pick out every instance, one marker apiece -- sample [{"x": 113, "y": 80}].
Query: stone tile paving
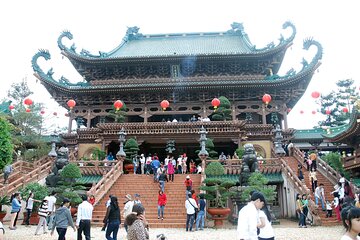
[{"x": 285, "y": 231}]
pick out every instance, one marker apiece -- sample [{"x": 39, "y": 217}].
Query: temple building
[{"x": 188, "y": 70}]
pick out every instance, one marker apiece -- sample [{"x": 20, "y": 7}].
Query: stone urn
[{"x": 218, "y": 215}]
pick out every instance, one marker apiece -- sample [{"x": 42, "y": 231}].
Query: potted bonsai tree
[
  {"x": 4, "y": 201},
  {"x": 40, "y": 192},
  {"x": 131, "y": 149},
  {"x": 69, "y": 188},
  {"x": 217, "y": 192}
]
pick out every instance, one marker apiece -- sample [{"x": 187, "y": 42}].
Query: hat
[
  {"x": 128, "y": 196},
  {"x": 136, "y": 195},
  {"x": 187, "y": 177}
]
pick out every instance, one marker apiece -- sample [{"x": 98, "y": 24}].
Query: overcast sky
[{"x": 27, "y": 26}]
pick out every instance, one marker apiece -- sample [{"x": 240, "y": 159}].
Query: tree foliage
[
  {"x": 71, "y": 171},
  {"x": 258, "y": 182},
  {"x": 223, "y": 112},
  {"x": 6, "y": 146},
  {"x": 131, "y": 149},
  {"x": 335, "y": 101},
  {"x": 40, "y": 192},
  {"x": 118, "y": 116}
]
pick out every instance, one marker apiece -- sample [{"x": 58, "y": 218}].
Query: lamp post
[
  {"x": 53, "y": 153},
  {"x": 121, "y": 154},
  {"x": 203, "y": 153}
]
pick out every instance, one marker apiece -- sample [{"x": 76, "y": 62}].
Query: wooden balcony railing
[
  {"x": 351, "y": 161},
  {"x": 103, "y": 186}
]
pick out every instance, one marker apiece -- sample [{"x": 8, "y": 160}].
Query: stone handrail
[
  {"x": 95, "y": 166},
  {"x": 300, "y": 185},
  {"x": 323, "y": 167},
  {"x": 234, "y": 166},
  {"x": 41, "y": 169},
  {"x": 103, "y": 186}
]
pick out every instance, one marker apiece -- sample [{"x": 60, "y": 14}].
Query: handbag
[{"x": 195, "y": 208}]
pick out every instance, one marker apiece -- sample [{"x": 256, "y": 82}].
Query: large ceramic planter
[
  {"x": 34, "y": 218},
  {"x": 2, "y": 215},
  {"x": 218, "y": 215},
  {"x": 73, "y": 211},
  {"x": 129, "y": 168}
]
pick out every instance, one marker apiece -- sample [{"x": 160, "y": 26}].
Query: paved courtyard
[{"x": 285, "y": 231}]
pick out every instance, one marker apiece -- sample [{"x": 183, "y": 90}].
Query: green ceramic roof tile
[
  {"x": 183, "y": 45},
  {"x": 89, "y": 179},
  {"x": 272, "y": 177},
  {"x": 309, "y": 133}
]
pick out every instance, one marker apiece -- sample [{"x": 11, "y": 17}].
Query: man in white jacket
[{"x": 248, "y": 220}]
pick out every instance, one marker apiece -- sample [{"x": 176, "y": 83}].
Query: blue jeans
[
  {"x": 112, "y": 227},
  {"x": 162, "y": 185},
  {"x": 62, "y": 233},
  {"x": 200, "y": 220},
  {"x": 322, "y": 202},
  {"x": 189, "y": 221},
  {"x": 161, "y": 211}
]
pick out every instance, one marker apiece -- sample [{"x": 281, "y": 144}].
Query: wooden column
[
  {"x": 204, "y": 110},
  {"x": 88, "y": 119},
  {"x": 263, "y": 114},
  {"x": 145, "y": 114},
  {"x": 233, "y": 112},
  {"x": 285, "y": 119},
  {"x": 70, "y": 122}
]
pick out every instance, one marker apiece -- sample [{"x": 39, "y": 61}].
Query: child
[
  {"x": 337, "y": 205},
  {"x": 328, "y": 209},
  {"x": 351, "y": 218}
]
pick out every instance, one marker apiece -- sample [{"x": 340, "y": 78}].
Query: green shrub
[
  {"x": 40, "y": 192},
  {"x": 71, "y": 171}
]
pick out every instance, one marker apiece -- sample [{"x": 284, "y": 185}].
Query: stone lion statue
[{"x": 249, "y": 163}]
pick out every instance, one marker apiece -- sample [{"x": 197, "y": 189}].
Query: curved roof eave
[
  {"x": 260, "y": 83},
  {"x": 344, "y": 131}
]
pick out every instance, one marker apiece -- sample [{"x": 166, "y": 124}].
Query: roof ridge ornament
[
  {"x": 132, "y": 33},
  {"x": 68, "y": 35}
]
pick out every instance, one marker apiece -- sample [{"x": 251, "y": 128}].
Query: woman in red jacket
[{"x": 161, "y": 204}]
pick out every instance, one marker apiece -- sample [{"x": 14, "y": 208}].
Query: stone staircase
[
  {"x": 328, "y": 188},
  {"x": 174, "y": 214}
]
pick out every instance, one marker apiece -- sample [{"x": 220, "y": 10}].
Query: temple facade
[{"x": 188, "y": 70}]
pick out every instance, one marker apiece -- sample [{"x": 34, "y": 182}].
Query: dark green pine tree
[
  {"x": 223, "y": 112},
  {"x": 118, "y": 116},
  {"x": 131, "y": 149},
  {"x": 336, "y": 101},
  {"x": 248, "y": 117},
  {"x": 170, "y": 147}
]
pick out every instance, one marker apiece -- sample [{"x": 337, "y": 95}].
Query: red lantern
[
  {"x": 315, "y": 94},
  {"x": 11, "y": 107},
  {"x": 42, "y": 111},
  {"x": 266, "y": 98},
  {"x": 164, "y": 104},
  {"x": 118, "y": 104},
  {"x": 328, "y": 112},
  {"x": 71, "y": 103},
  {"x": 28, "y": 101},
  {"x": 313, "y": 112},
  {"x": 345, "y": 110},
  {"x": 301, "y": 112},
  {"x": 215, "y": 103},
  {"x": 55, "y": 113},
  {"x": 28, "y": 110}
]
